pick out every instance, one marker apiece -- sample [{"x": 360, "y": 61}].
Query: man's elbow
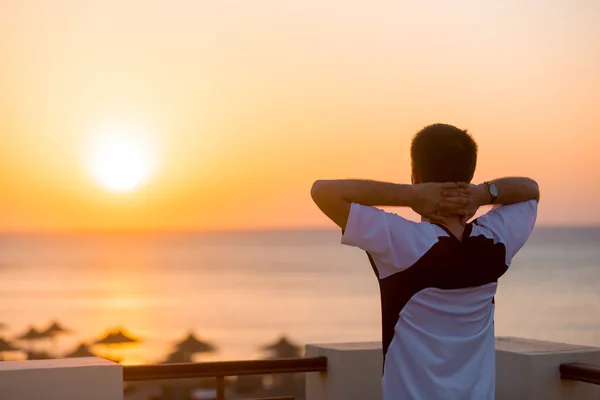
[
  {"x": 318, "y": 190},
  {"x": 536, "y": 190},
  {"x": 325, "y": 192},
  {"x": 326, "y": 195}
]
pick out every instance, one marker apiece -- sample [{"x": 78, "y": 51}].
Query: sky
[{"x": 239, "y": 106}]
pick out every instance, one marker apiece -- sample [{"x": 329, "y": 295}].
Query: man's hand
[
  {"x": 465, "y": 200},
  {"x": 437, "y": 201}
]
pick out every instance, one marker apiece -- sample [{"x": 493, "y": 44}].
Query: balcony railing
[
  {"x": 526, "y": 369},
  {"x": 219, "y": 370},
  {"x": 222, "y": 369},
  {"x": 580, "y": 372}
]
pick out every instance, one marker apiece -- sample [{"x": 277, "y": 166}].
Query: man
[{"x": 437, "y": 278}]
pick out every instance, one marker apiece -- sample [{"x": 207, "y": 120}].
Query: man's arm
[
  {"x": 510, "y": 191},
  {"x": 334, "y": 197}
]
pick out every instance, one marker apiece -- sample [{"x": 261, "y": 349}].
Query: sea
[{"x": 245, "y": 289}]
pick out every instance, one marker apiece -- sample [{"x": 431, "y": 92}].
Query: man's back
[{"x": 437, "y": 297}]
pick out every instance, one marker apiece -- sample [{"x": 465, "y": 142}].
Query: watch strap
[{"x": 493, "y": 196}]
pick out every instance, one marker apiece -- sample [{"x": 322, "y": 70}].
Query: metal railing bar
[
  {"x": 580, "y": 372},
  {"x": 223, "y": 368},
  {"x": 277, "y": 398},
  {"x": 220, "y": 388}
]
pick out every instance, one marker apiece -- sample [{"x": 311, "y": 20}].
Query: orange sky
[{"x": 252, "y": 101}]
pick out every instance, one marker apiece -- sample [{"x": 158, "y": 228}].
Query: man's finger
[
  {"x": 453, "y": 193},
  {"x": 449, "y": 185},
  {"x": 463, "y": 185},
  {"x": 453, "y": 203}
]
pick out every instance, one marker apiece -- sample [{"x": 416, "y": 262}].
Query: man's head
[{"x": 443, "y": 153}]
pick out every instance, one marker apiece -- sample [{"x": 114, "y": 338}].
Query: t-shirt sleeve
[
  {"x": 393, "y": 242},
  {"x": 511, "y": 225}
]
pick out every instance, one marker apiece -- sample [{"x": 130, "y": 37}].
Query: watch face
[{"x": 493, "y": 190}]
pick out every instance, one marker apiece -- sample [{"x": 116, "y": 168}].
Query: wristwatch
[{"x": 493, "y": 189}]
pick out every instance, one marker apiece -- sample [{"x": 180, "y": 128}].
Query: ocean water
[{"x": 241, "y": 290}]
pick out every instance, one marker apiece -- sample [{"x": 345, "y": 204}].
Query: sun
[{"x": 121, "y": 157}]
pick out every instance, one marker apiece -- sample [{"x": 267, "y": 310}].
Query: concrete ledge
[
  {"x": 353, "y": 372},
  {"x": 63, "y": 379},
  {"x": 528, "y": 369}
]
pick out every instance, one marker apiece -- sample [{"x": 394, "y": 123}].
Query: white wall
[
  {"x": 353, "y": 372},
  {"x": 528, "y": 369},
  {"x": 64, "y": 379}
]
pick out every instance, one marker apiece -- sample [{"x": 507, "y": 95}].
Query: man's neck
[{"x": 454, "y": 225}]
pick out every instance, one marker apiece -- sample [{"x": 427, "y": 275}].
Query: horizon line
[{"x": 222, "y": 230}]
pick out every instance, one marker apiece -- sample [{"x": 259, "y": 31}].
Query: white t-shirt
[{"x": 437, "y": 297}]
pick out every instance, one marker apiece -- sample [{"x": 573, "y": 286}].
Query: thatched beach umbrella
[
  {"x": 81, "y": 351},
  {"x": 283, "y": 348},
  {"x": 55, "y": 329},
  {"x": 6, "y": 346},
  {"x": 116, "y": 338},
  {"x": 178, "y": 357},
  {"x": 32, "y": 336},
  {"x": 191, "y": 344}
]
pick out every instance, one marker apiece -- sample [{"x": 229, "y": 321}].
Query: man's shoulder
[
  {"x": 509, "y": 215},
  {"x": 510, "y": 224}
]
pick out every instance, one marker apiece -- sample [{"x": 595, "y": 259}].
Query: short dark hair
[{"x": 443, "y": 153}]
